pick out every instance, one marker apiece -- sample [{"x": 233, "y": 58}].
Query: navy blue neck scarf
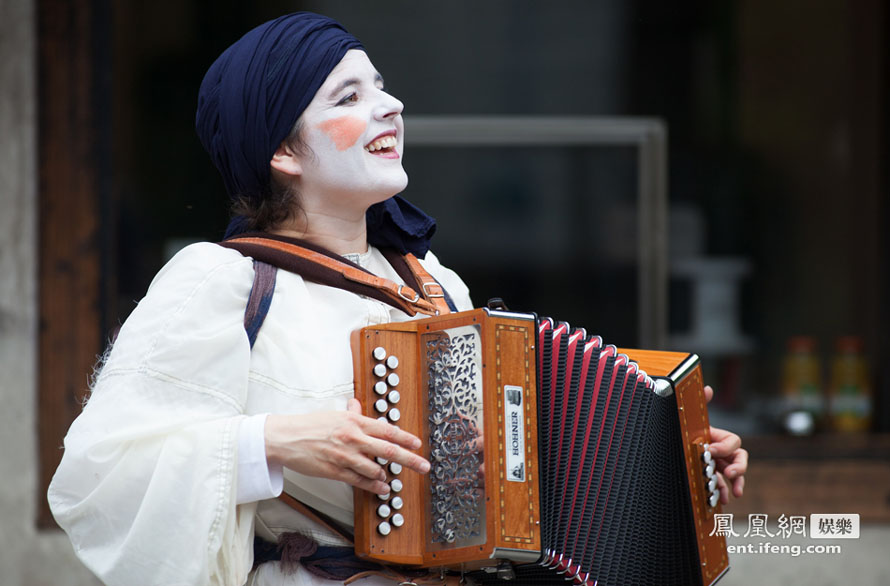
[{"x": 252, "y": 96}]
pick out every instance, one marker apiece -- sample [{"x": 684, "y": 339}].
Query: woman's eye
[{"x": 347, "y": 99}]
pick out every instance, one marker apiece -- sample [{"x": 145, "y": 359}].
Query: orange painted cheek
[{"x": 343, "y": 131}]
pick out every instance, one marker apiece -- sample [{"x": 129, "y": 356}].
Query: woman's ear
[{"x": 286, "y": 161}]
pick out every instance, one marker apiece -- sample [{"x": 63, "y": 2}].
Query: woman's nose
[{"x": 389, "y": 106}]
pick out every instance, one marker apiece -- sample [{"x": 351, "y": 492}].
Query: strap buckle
[
  {"x": 405, "y": 297},
  {"x": 431, "y": 294}
]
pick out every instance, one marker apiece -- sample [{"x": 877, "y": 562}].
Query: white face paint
[{"x": 354, "y": 131}]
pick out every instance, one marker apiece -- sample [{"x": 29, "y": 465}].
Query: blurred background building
[{"x": 772, "y": 259}]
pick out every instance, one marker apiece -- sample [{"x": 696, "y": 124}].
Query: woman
[{"x": 173, "y": 464}]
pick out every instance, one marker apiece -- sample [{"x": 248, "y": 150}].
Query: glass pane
[{"x": 551, "y": 230}]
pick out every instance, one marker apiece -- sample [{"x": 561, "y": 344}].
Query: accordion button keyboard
[
  {"x": 397, "y": 503},
  {"x": 398, "y": 520},
  {"x": 384, "y": 528},
  {"x": 710, "y": 469},
  {"x": 392, "y": 362},
  {"x": 395, "y": 468},
  {"x": 394, "y": 414},
  {"x": 380, "y": 388},
  {"x": 380, "y": 370},
  {"x": 383, "y": 511},
  {"x": 392, "y": 379},
  {"x": 396, "y": 485},
  {"x": 394, "y": 397},
  {"x": 381, "y": 406},
  {"x": 379, "y": 353}
]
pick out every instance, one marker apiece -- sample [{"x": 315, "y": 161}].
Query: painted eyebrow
[{"x": 350, "y": 82}]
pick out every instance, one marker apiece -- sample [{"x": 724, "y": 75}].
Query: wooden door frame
[{"x": 73, "y": 192}]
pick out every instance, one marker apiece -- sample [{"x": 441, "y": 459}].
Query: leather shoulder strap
[
  {"x": 409, "y": 268},
  {"x": 260, "y": 298},
  {"x": 321, "y": 266}
]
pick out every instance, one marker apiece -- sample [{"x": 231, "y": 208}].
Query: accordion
[{"x": 554, "y": 457}]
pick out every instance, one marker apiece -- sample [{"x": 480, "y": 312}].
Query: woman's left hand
[{"x": 731, "y": 458}]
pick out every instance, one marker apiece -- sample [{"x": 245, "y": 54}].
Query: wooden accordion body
[{"x": 522, "y": 477}]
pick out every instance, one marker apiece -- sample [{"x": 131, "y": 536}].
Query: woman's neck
[{"x": 333, "y": 232}]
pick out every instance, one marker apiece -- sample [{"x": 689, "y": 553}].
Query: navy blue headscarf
[{"x": 252, "y": 96}]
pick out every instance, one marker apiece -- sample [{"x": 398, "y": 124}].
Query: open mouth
[{"x": 385, "y": 145}]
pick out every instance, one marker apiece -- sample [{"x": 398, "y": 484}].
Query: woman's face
[{"x": 354, "y": 133}]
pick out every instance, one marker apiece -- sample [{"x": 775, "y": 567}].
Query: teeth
[{"x": 382, "y": 143}]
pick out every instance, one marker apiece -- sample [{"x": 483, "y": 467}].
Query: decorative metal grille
[{"x": 455, "y": 420}]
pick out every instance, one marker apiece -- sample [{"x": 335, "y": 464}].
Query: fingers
[
  {"x": 391, "y": 452},
  {"x": 341, "y": 446},
  {"x": 351, "y": 460},
  {"x": 358, "y": 480},
  {"x": 735, "y": 465},
  {"x": 723, "y": 443},
  {"x": 388, "y": 432},
  {"x": 709, "y": 393},
  {"x": 723, "y": 489},
  {"x": 368, "y": 438},
  {"x": 732, "y": 459},
  {"x": 738, "y": 486},
  {"x": 732, "y": 462}
]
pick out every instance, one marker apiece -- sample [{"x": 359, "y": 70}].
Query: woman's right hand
[{"x": 341, "y": 445}]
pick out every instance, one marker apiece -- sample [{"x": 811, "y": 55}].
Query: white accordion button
[
  {"x": 392, "y": 379},
  {"x": 394, "y": 414},
  {"x": 397, "y": 503},
  {"x": 715, "y": 496},
  {"x": 379, "y": 353},
  {"x": 395, "y": 468},
  {"x": 394, "y": 397},
  {"x": 385, "y": 497},
  {"x": 382, "y": 461},
  {"x": 384, "y": 529},
  {"x": 710, "y": 469},
  {"x": 380, "y": 370},
  {"x": 706, "y": 456},
  {"x": 398, "y": 520},
  {"x": 712, "y": 484},
  {"x": 383, "y": 511},
  {"x": 380, "y": 387},
  {"x": 392, "y": 362},
  {"x": 381, "y": 406},
  {"x": 396, "y": 485},
  {"x": 383, "y": 419}
]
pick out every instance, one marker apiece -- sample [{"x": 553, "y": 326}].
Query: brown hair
[{"x": 276, "y": 203}]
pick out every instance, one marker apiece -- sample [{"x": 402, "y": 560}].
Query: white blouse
[{"x": 148, "y": 485}]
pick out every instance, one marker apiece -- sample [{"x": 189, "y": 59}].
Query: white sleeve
[
  {"x": 146, "y": 489},
  {"x": 257, "y": 479}
]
